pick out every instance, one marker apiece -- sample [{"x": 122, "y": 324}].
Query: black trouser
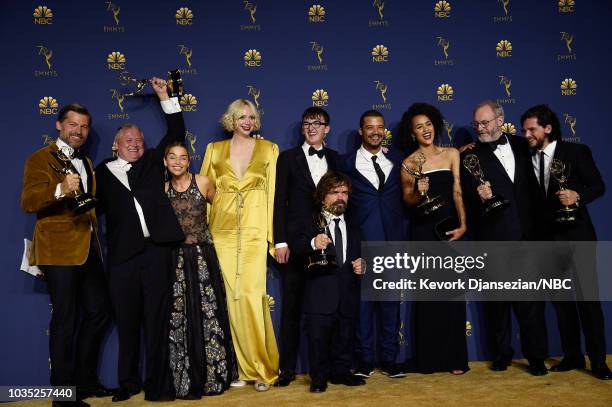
[
  {"x": 81, "y": 312},
  {"x": 330, "y": 345},
  {"x": 292, "y": 279},
  {"x": 532, "y": 326},
  {"x": 588, "y": 314},
  {"x": 139, "y": 291}
]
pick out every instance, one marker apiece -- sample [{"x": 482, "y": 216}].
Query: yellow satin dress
[{"x": 240, "y": 220}]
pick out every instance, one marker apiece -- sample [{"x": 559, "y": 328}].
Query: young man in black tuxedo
[
  {"x": 332, "y": 292},
  {"x": 298, "y": 171},
  {"x": 504, "y": 159},
  {"x": 584, "y": 184},
  {"x": 141, "y": 229}
]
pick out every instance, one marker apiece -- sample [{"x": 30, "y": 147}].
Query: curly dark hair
[
  {"x": 329, "y": 181},
  {"x": 545, "y": 116},
  {"x": 405, "y": 127}
]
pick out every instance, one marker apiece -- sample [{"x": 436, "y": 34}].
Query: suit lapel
[
  {"x": 518, "y": 158},
  {"x": 356, "y": 174},
  {"x": 489, "y": 157},
  {"x": 303, "y": 166}
]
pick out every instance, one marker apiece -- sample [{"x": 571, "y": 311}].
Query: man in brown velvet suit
[{"x": 66, "y": 249}]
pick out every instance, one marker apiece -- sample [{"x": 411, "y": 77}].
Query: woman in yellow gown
[{"x": 243, "y": 170}]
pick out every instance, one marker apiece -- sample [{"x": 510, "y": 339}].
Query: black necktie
[
  {"x": 542, "y": 179},
  {"x": 380, "y": 173},
  {"x": 338, "y": 243},
  {"x": 313, "y": 151},
  {"x": 500, "y": 141}
]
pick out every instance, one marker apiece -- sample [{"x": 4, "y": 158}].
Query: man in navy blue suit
[{"x": 376, "y": 205}]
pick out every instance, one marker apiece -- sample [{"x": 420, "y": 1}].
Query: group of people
[{"x": 187, "y": 253}]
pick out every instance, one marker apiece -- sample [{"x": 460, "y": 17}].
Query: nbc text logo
[
  {"x": 566, "y": 6},
  {"x": 116, "y": 60},
  {"x": 508, "y": 128},
  {"x": 504, "y": 49},
  {"x": 445, "y": 92},
  {"x": 316, "y": 14},
  {"x": 184, "y": 16},
  {"x": 380, "y": 53},
  {"x": 43, "y": 15},
  {"x": 252, "y": 58},
  {"x": 189, "y": 103},
  {"x": 568, "y": 87},
  {"x": 47, "y": 105},
  {"x": 442, "y": 9},
  {"x": 320, "y": 98}
]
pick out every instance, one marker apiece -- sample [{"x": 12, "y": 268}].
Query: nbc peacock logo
[
  {"x": 47, "y": 105},
  {"x": 116, "y": 60},
  {"x": 387, "y": 139},
  {"x": 568, "y": 87},
  {"x": 189, "y": 103},
  {"x": 504, "y": 49},
  {"x": 43, "y": 15},
  {"x": 508, "y": 128},
  {"x": 442, "y": 9},
  {"x": 184, "y": 16},
  {"x": 252, "y": 58},
  {"x": 316, "y": 14},
  {"x": 380, "y": 53},
  {"x": 445, "y": 92},
  {"x": 566, "y": 6},
  {"x": 320, "y": 98}
]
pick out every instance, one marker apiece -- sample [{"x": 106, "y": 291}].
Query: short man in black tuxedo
[
  {"x": 504, "y": 159},
  {"x": 67, "y": 250},
  {"x": 584, "y": 184},
  {"x": 331, "y": 293},
  {"x": 141, "y": 227},
  {"x": 298, "y": 171}
]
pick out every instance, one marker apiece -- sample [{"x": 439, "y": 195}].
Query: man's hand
[
  {"x": 281, "y": 254},
  {"x": 567, "y": 197},
  {"x": 466, "y": 147},
  {"x": 160, "y": 87},
  {"x": 70, "y": 183},
  {"x": 358, "y": 266},
  {"x": 484, "y": 191},
  {"x": 322, "y": 241}
]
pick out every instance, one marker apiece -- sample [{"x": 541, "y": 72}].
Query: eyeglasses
[
  {"x": 483, "y": 123},
  {"x": 315, "y": 124}
]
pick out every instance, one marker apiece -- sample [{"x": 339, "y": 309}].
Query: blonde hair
[{"x": 234, "y": 111}]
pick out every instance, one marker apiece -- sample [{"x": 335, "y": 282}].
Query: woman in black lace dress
[
  {"x": 201, "y": 354},
  {"x": 440, "y": 342}
]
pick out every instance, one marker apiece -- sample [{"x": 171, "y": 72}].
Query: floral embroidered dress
[{"x": 201, "y": 353}]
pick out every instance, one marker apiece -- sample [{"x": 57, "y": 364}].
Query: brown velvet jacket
[{"x": 60, "y": 237}]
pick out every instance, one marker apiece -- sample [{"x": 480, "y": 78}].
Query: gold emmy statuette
[
  {"x": 320, "y": 259},
  {"x": 174, "y": 82},
  {"x": 496, "y": 202},
  {"x": 560, "y": 172},
  {"x": 415, "y": 168},
  {"x": 80, "y": 202}
]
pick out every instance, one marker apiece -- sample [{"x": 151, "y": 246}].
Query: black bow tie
[
  {"x": 313, "y": 151},
  {"x": 80, "y": 154},
  {"x": 500, "y": 141}
]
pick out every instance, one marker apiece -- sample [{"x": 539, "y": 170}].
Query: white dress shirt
[
  {"x": 331, "y": 225},
  {"x": 317, "y": 166},
  {"x": 504, "y": 154},
  {"x": 549, "y": 153},
  {"x": 78, "y": 164},
  {"x": 364, "y": 164}
]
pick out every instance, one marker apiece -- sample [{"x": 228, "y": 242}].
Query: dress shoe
[
  {"x": 392, "y": 370},
  {"x": 601, "y": 371},
  {"x": 348, "y": 380},
  {"x": 261, "y": 386},
  {"x": 77, "y": 403},
  {"x": 124, "y": 394},
  {"x": 95, "y": 391},
  {"x": 364, "y": 370},
  {"x": 285, "y": 378},
  {"x": 499, "y": 365},
  {"x": 567, "y": 364},
  {"x": 318, "y": 387},
  {"x": 537, "y": 368}
]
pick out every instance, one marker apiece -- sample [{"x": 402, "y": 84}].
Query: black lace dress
[{"x": 201, "y": 353}]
